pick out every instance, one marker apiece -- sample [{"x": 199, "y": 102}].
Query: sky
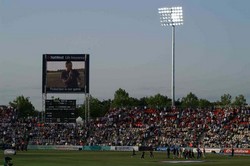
[{"x": 128, "y": 48}]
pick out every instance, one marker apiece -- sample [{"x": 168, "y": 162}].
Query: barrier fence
[
  {"x": 130, "y": 148},
  {"x": 54, "y": 147},
  {"x": 124, "y": 148},
  {"x": 86, "y": 148},
  {"x": 237, "y": 151}
]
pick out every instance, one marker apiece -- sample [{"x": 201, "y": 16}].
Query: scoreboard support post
[
  {"x": 88, "y": 106},
  {"x": 44, "y": 98},
  {"x": 86, "y": 109}
]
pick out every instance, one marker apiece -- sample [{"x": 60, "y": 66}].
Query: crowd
[
  {"x": 188, "y": 127},
  {"x": 228, "y": 127},
  {"x": 137, "y": 126},
  {"x": 13, "y": 131}
]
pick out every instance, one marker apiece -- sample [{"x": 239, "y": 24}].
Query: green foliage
[
  {"x": 23, "y": 106},
  {"x": 204, "y": 103},
  {"x": 190, "y": 101},
  {"x": 226, "y": 100},
  {"x": 158, "y": 101},
  {"x": 97, "y": 108},
  {"x": 178, "y": 102},
  {"x": 121, "y": 99},
  {"x": 134, "y": 102},
  {"x": 240, "y": 101},
  {"x": 106, "y": 105},
  {"x": 80, "y": 111},
  {"x": 142, "y": 102}
]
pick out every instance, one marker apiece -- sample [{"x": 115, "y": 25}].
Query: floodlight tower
[{"x": 172, "y": 16}]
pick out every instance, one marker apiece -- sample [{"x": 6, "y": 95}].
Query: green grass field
[{"x": 76, "y": 158}]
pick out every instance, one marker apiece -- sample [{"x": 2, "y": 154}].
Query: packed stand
[{"x": 137, "y": 126}]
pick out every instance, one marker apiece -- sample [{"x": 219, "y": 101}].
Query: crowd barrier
[
  {"x": 54, "y": 147},
  {"x": 129, "y": 148},
  {"x": 236, "y": 151},
  {"x": 161, "y": 149},
  {"x": 213, "y": 150},
  {"x": 96, "y": 148},
  {"x": 124, "y": 148},
  {"x": 146, "y": 148},
  {"x": 86, "y": 148}
]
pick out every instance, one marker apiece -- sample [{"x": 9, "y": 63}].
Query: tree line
[{"x": 122, "y": 99}]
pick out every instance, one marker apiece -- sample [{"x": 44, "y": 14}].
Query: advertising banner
[
  {"x": 53, "y": 147},
  {"x": 124, "y": 148},
  {"x": 237, "y": 151},
  {"x": 96, "y": 148}
]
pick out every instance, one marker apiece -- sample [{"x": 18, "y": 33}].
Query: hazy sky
[{"x": 128, "y": 48}]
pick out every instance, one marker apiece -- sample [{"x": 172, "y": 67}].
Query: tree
[
  {"x": 158, "y": 101},
  {"x": 204, "y": 103},
  {"x": 134, "y": 102},
  {"x": 143, "y": 102},
  {"x": 97, "y": 108},
  {"x": 190, "y": 101},
  {"x": 80, "y": 111},
  {"x": 226, "y": 100},
  {"x": 240, "y": 101},
  {"x": 121, "y": 98},
  {"x": 178, "y": 103},
  {"x": 106, "y": 105},
  {"x": 24, "y": 107}
]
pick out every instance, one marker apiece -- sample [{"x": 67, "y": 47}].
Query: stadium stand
[{"x": 129, "y": 127}]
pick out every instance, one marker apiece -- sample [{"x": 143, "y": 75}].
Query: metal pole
[
  {"x": 43, "y": 108},
  {"x": 86, "y": 109},
  {"x": 173, "y": 66},
  {"x": 44, "y": 118},
  {"x": 88, "y": 106}
]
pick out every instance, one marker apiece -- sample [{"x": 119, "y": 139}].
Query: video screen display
[{"x": 65, "y": 73}]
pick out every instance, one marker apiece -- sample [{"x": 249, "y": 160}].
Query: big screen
[{"x": 65, "y": 73}]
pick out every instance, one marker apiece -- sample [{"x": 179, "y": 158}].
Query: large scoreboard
[{"x": 60, "y": 111}]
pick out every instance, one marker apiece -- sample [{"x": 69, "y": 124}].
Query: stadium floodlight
[{"x": 172, "y": 16}]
